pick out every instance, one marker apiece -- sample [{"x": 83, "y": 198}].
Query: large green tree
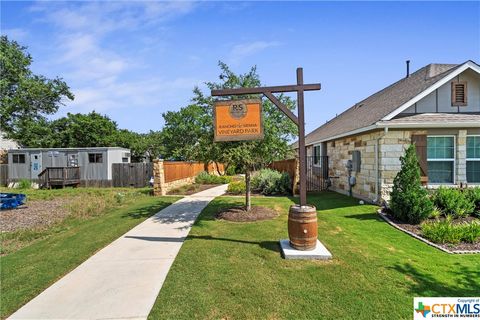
[
  {"x": 188, "y": 133},
  {"x": 83, "y": 130},
  {"x": 142, "y": 145},
  {"x": 25, "y": 98}
]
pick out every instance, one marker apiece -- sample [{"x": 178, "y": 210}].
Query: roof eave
[{"x": 412, "y": 125}]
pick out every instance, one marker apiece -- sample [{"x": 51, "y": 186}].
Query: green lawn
[
  {"x": 28, "y": 271},
  {"x": 229, "y": 270}
]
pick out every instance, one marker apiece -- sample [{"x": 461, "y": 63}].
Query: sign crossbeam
[
  {"x": 262, "y": 90},
  {"x": 299, "y": 120}
]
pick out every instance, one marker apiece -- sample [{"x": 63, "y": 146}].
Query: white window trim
[
  {"x": 454, "y": 159},
  {"x": 319, "y": 165},
  {"x": 470, "y": 159}
]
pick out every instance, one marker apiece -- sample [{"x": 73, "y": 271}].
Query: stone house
[{"x": 437, "y": 108}]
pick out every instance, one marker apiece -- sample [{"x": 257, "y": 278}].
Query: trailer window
[
  {"x": 95, "y": 158},
  {"x": 18, "y": 158}
]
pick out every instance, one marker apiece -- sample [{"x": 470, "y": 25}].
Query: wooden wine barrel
[{"x": 302, "y": 227}]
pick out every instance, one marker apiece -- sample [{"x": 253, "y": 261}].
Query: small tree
[{"x": 409, "y": 200}]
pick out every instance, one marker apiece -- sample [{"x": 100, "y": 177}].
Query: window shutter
[
  {"x": 459, "y": 93},
  {"x": 420, "y": 142}
]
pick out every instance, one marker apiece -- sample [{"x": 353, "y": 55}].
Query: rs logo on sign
[{"x": 238, "y": 110}]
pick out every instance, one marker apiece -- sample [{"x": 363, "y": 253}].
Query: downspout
[{"x": 377, "y": 166}]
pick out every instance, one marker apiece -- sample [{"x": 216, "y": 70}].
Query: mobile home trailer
[{"x": 95, "y": 163}]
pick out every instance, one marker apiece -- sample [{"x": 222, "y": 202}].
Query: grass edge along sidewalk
[
  {"x": 235, "y": 271},
  {"x": 27, "y": 272}
]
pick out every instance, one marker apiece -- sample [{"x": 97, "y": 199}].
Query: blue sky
[{"x": 135, "y": 60}]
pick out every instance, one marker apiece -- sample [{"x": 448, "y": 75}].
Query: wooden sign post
[{"x": 302, "y": 227}]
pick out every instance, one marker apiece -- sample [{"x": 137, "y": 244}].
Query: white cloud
[
  {"x": 243, "y": 50},
  {"x": 100, "y": 17},
  {"x": 130, "y": 94},
  {"x": 16, "y": 34},
  {"x": 99, "y": 73}
]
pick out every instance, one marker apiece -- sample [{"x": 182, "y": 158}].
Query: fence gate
[
  {"x": 135, "y": 175},
  {"x": 317, "y": 173}
]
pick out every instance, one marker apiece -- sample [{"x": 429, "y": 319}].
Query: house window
[
  {"x": 473, "y": 159},
  {"x": 18, "y": 158},
  {"x": 459, "y": 93},
  {"x": 95, "y": 158},
  {"x": 316, "y": 155},
  {"x": 441, "y": 159},
  {"x": 125, "y": 160}
]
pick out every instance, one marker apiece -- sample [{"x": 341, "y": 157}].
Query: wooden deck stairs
[{"x": 61, "y": 177}]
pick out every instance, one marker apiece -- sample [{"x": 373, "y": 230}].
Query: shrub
[
  {"x": 436, "y": 213},
  {"x": 231, "y": 170},
  {"x": 24, "y": 184},
  {"x": 206, "y": 178},
  {"x": 236, "y": 187},
  {"x": 409, "y": 200},
  {"x": 447, "y": 232},
  {"x": 270, "y": 182},
  {"x": 453, "y": 202},
  {"x": 442, "y": 231},
  {"x": 471, "y": 232},
  {"x": 473, "y": 194}
]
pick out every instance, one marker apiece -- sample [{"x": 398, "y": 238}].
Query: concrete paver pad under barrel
[{"x": 122, "y": 280}]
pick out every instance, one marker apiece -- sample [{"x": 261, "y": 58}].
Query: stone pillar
[
  {"x": 158, "y": 178},
  {"x": 461, "y": 160}
]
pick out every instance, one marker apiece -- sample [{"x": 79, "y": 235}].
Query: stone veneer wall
[
  {"x": 160, "y": 187},
  {"x": 340, "y": 151},
  {"x": 392, "y": 146}
]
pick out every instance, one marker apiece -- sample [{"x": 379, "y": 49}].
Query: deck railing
[{"x": 59, "y": 176}]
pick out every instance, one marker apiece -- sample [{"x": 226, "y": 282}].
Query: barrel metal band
[{"x": 303, "y": 220}]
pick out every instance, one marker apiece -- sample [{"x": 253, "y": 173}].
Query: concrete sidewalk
[{"x": 122, "y": 280}]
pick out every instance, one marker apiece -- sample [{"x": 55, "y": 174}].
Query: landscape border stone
[{"x": 393, "y": 224}]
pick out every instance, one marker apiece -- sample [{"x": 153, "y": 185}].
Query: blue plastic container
[{"x": 11, "y": 200}]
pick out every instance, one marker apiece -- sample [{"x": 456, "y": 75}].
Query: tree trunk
[
  {"x": 218, "y": 169},
  {"x": 248, "y": 205}
]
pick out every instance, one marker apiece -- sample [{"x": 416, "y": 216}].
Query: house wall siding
[
  {"x": 444, "y": 96},
  {"x": 59, "y": 158}
]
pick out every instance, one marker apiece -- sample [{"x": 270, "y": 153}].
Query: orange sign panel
[{"x": 238, "y": 120}]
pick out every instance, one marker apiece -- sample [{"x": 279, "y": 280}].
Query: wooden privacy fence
[
  {"x": 135, "y": 175},
  {"x": 289, "y": 166},
  {"x": 317, "y": 172},
  {"x": 3, "y": 175},
  {"x": 169, "y": 175},
  {"x": 178, "y": 170}
]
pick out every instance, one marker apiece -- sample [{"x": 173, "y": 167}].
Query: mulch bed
[
  {"x": 416, "y": 229},
  {"x": 239, "y": 214},
  {"x": 189, "y": 190},
  {"x": 35, "y": 214}
]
